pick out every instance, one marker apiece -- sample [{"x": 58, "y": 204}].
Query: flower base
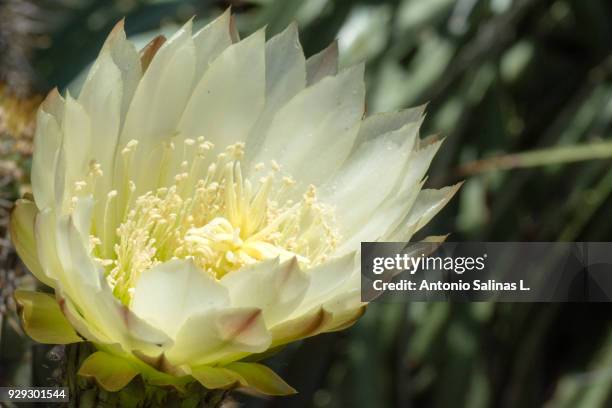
[{"x": 86, "y": 393}]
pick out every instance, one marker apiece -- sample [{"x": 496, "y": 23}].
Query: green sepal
[
  {"x": 216, "y": 377},
  {"x": 110, "y": 372},
  {"x": 43, "y": 319},
  {"x": 157, "y": 378},
  {"x": 252, "y": 358},
  {"x": 261, "y": 378},
  {"x": 147, "y": 368}
]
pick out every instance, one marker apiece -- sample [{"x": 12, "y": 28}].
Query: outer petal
[
  {"x": 43, "y": 319},
  {"x": 285, "y": 77},
  {"x": 211, "y": 41},
  {"x": 323, "y": 64},
  {"x": 72, "y": 252},
  {"x": 102, "y": 96},
  {"x": 76, "y": 147},
  {"x": 309, "y": 324},
  {"x": 47, "y": 142},
  {"x": 100, "y": 307},
  {"x": 85, "y": 329},
  {"x": 325, "y": 280},
  {"x": 383, "y": 220},
  {"x": 382, "y": 123},
  {"x": 417, "y": 165},
  {"x": 164, "y": 89},
  {"x": 54, "y": 105},
  {"x": 168, "y": 294},
  {"x": 147, "y": 53},
  {"x": 374, "y": 167},
  {"x": 275, "y": 288},
  {"x": 334, "y": 106},
  {"x": 81, "y": 283},
  {"x": 22, "y": 234},
  {"x": 219, "y": 334},
  {"x": 126, "y": 58},
  {"x": 110, "y": 372},
  {"x": 234, "y": 82},
  {"x": 339, "y": 311},
  {"x": 393, "y": 211},
  {"x": 338, "y": 308},
  {"x": 345, "y": 309},
  {"x": 285, "y": 68},
  {"x": 428, "y": 204}
]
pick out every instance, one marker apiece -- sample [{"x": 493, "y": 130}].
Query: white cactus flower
[{"x": 205, "y": 199}]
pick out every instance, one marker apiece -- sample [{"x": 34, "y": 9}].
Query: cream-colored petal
[
  {"x": 102, "y": 96},
  {"x": 219, "y": 334},
  {"x": 74, "y": 257},
  {"x": 234, "y": 30},
  {"x": 305, "y": 325},
  {"x": 44, "y": 233},
  {"x": 82, "y": 218},
  {"x": 147, "y": 53},
  {"x": 342, "y": 309},
  {"x": 76, "y": 144},
  {"x": 234, "y": 82},
  {"x": 392, "y": 211},
  {"x": 126, "y": 59},
  {"x": 325, "y": 114},
  {"x": 285, "y": 77},
  {"x": 429, "y": 203},
  {"x": 275, "y": 288},
  {"x": 382, "y": 123},
  {"x": 210, "y": 41},
  {"x": 78, "y": 279},
  {"x": 23, "y": 219},
  {"x": 171, "y": 292},
  {"x": 323, "y": 64},
  {"x": 81, "y": 281},
  {"x": 70, "y": 288},
  {"x": 60, "y": 180},
  {"x": 373, "y": 169},
  {"x": 53, "y": 104},
  {"x": 382, "y": 221},
  {"x": 285, "y": 68},
  {"x": 86, "y": 330},
  {"x": 47, "y": 143},
  {"x": 325, "y": 280},
  {"x": 155, "y": 110},
  {"x": 416, "y": 168}
]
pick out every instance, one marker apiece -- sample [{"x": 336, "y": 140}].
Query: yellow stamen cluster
[{"x": 217, "y": 218}]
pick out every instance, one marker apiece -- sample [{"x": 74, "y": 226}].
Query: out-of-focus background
[{"x": 522, "y": 92}]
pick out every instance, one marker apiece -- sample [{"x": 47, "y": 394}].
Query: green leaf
[
  {"x": 111, "y": 372},
  {"x": 261, "y": 378},
  {"x": 43, "y": 319}
]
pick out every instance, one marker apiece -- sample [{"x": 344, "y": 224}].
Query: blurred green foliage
[{"x": 500, "y": 76}]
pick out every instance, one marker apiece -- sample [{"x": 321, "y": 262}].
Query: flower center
[{"x": 220, "y": 220}]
